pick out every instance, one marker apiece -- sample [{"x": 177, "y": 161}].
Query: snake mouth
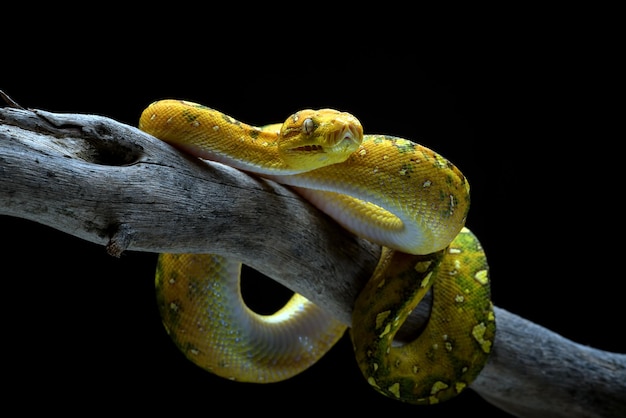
[
  {"x": 309, "y": 148},
  {"x": 343, "y": 140}
]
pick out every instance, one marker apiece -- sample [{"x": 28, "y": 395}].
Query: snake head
[{"x": 316, "y": 138}]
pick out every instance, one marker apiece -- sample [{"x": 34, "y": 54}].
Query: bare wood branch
[{"x": 113, "y": 185}]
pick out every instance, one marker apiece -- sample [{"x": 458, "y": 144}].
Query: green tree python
[{"x": 389, "y": 190}]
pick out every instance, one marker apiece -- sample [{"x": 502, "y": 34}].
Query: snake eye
[{"x": 308, "y": 126}]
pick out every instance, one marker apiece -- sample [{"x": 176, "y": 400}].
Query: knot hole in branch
[{"x": 107, "y": 149}]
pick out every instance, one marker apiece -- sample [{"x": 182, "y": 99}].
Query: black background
[{"x": 529, "y": 115}]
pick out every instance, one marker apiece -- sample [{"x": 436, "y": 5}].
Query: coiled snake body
[{"x": 389, "y": 190}]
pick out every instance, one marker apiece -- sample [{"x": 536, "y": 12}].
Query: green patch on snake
[
  {"x": 231, "y": 120},
  {"x": 404, "y": 146},
  {"x": 372, "y": 382},
  {"x": 482, "y": 277},
  {"x": 426, "y": 280},
  {"x": 440, "y": 162},
  {"x": 254, "y": 133},
  {"x": 438, "y": 387},
  {"x": 379, "y": 139},
  {"x": 395, "y": 389},
  {"x": 459, "y": 386},
  {"x": 406, "y": 169},
  {"x": 422, "y": 266},
  {"x": 478, "y": 332},
  {"x": 189, "y": 115},
  {"x": 380, "y": 320}
]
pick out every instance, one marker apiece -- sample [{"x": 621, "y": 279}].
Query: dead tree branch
[{"x": 113, "y": 185}]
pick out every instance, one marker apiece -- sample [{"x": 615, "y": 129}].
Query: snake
[{"x": 394, "y": 192}]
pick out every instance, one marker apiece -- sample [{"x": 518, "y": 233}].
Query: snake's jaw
[{"x": 317, "y": 138}]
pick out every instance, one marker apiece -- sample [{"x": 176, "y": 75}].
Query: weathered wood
[{"x": 93, "y": 178}]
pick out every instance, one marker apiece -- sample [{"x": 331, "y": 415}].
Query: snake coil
[{"x": 389, "y": 190}]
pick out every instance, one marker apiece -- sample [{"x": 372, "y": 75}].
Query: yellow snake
[{"x": 389, "y": 190}]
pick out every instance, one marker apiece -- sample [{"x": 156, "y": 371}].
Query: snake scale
[{"x": 394, "y": 192}]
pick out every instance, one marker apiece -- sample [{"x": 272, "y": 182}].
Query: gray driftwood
[{"x": 93, "y": 178}]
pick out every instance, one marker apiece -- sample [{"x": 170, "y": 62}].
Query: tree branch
[{"x": 113, "y": 185}]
